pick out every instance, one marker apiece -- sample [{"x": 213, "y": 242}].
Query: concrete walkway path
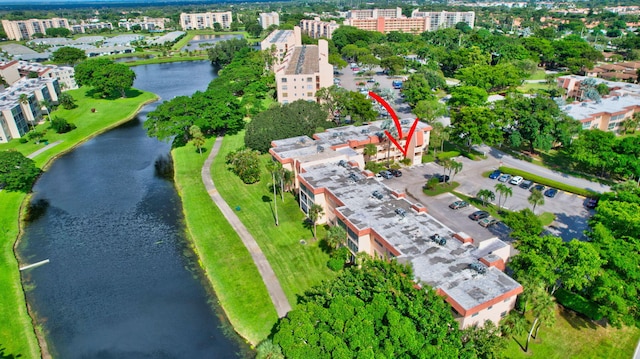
[
  {"x": 269, "y": 278},
  {"x": 53, "y": 144}
]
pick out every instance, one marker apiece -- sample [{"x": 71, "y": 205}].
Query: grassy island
[{"x": 17, "y": 334}]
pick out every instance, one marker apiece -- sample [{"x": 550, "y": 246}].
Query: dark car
[
  {"x": 538, "y": 187},
  {"x": 495, "y": 174},
  {"x": 458, "y": 204},
  {"x": 551, "y": 192},
  {"x": 442, "y": 178},
  {"x": 526, "y": 184},
  {"x": 591, "y": 203},
  {"x": 386, "y": 174},
  {"x": 478, "y": 215},
  {"x": 371, "y": 80},
  {"x": 396, "y": 173}
]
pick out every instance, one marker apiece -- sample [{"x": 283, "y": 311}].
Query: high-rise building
[
  {"x": 316, "y": 28},
  {"x": 205, "y": 20},
  {"x": 388, "y": 20},
  {"x": 267, "y": 19},
  {"x": 25, "y": 29}
]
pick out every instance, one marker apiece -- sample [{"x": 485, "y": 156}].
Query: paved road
[
  {"x": 53, "y": 144},
  {"x": 269, "y": 278}
]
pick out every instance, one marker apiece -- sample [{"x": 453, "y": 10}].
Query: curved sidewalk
[{"x": 269, "y": 278}]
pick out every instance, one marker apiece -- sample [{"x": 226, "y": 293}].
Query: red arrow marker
[{"x": 389, "y": 109}]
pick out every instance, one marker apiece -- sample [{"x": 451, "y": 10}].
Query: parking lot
[{"x": 571, "y": 214}]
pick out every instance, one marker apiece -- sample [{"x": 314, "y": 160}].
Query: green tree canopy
[
  {"x": 58, "y": 32},
  {"x": 68, "y": 55},
  {"x": 224, "y": 51},
  {"x": 374, "y": 311},
  {"x": 17, "y": 172},
  {"x": 105, "y": 76}
]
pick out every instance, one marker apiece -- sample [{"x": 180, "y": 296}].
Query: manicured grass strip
[
  {"x": 576, "y": 337},
  {"x": 547, "y": 218},
  {"x": 16, "y": 330},
  {"x": 222, "y": 254},
  {"x": 548, "y": 182},
  {"x": 441, "y": 188},
  {"x": 297, "y": 266},
  {"x": 108, "y": 113},
  {"x": 578, "y": 303},
  {"x": 17, "y": 336}
]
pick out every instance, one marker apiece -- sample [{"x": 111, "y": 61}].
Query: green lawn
[
  {"x": 17, "y": 336},
  {"x": 575, "y": 337},
  {"x": 538, "y": 75},
  {"x": 529, "y": 87},
  {"x": 298, "y": 266},
  {"x": 223, "y": 256}
]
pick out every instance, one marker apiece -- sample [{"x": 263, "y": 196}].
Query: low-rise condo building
[{"x": 15, "y": 70}]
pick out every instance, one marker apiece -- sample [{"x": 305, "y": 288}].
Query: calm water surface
[{"x": 122, "y": 282}]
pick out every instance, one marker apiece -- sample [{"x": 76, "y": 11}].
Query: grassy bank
[
  {"x": 222, "y": 254},
  {"x": 17, "y": 336},
  {"x": 575, "y": 337},
  {"x": 298, "y": 266}
]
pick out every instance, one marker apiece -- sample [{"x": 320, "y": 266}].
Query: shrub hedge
[
  {"x": 550, "y": 183},
  {"x": 578, "y": 304}
]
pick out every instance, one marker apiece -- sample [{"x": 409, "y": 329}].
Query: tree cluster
[
  {"x": 223, "y": 52},
  {"x": 17, "y": 172},
  {"x": 600, "y": 152},
  {"x": 68, "y": 55},
  {"x": 106, "y": 77},
  {"x": 376, "y": 311},
  {"x": 246, "y": 164},
  {"x": 299, "y": 118}
]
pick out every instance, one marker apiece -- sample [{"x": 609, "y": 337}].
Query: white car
[{"x": 516, "y": 180}]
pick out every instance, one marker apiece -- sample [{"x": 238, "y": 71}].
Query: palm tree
[
  {"x": 455, "y": 168},
  {"x": 273, "y": 168},
  {"x": 503, "y": 190},
  {"x": 544, "y": 310},
  {"x": 536, "y": 198},
  {"x": 336, "y": 236},
  {"x": 486, "y": 195},
  {"x": 370, "y": 150},
  {"x": 631, "y": 124},
  {"x": 197, "y": 138},
  {"x": 24, "y": 102},
  {"x": 393, "y": 131},
  {"x": 514, "y": 324},
  {"x": 315, "y": 212},
  {"x": 45, "y": 105}
]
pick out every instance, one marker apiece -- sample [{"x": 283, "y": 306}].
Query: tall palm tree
[
  {"x": 273, "y": 168},
  {"x": 536, "y": 198},
  {"x": 315, "y": 212},
  {"x": 455, "y": 168},
  {"x": 543, "y": 307},
  {"x": 370, "y": 150},
  {"x": 486, "y": 195},
  {"x": 503, "y": 190},
  {"x": 336, "y": 236},
  {"x": 24, "y": 102},
  {"x": 393, "y": 131}
]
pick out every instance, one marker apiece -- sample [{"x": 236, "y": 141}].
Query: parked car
[
  {"x": 487, "y": 222},
  {"x": 538, "y": 187},
  {"x": 551, "y": 192},
  {"x": 355, "y": 69},
  {"x": 379, "y": 176},
  {"x": 371, "y": 80},
  {"x": 495, "y": 174},
  {"x": 396, "y": 173},
  {"x": 591, "y": 203},
  {"x": 478, "y": 215},
  {"x": 516, "y": 180},
  {"x": 504, "y": 178},
  {"x": 386, "y": 174},
  {"x": 526, "y": 184},
  {"x": 442, "y": 178},
  {"x": 458, "y": 205}
]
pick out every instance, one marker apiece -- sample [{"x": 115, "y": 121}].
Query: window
[
  {"x": 309, "y": 87},
  {"x": 284, "y": 80},
  {"x": 475, "y": 314},
  {"x": 310, "y": 94},
  {"x": 309, "y": 79},
  {"x": 285, "y": 87},
  {"x": 284, "y": 94},
  {"x": 503, "y": 314},
  {"x": 491, "y": 306}
]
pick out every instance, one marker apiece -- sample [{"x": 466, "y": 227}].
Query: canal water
[{"x": 122, "y": 281}]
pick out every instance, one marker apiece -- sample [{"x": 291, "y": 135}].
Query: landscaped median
[
  {"x": 17, "y": 336},
  {"x": 549, "y": 183}
]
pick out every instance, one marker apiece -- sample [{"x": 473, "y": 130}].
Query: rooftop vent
[
  {"x": 320, "y": 148},
  {"x": 404, "y": 121},
  {"x": 377, "y": 194},
  {"x": 401, "y": 212},
  {"x": 478, "y": 267},
  {"x": 335, "y": 134},
  {"x": 584, "y": 104},
  {"x": 439, "y": 239},
  {"x": 364, "y": 130},
  {"x": 342, "y": 163}
]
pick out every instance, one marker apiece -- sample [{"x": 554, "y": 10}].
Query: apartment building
[
  {"x": 316, "y": 28},
  {"x": 383, "y": 223},
  {"x": 303, "y": 70},
  {"x": 85, "y": 27},
  {"x": 282, "y": 42},
  {"x": 13, "y": 71},
  {"x": 607, "y": 114},
  {"x": 145, "y": 23},
  {"x": 267, "y": 19},
  {"x": 25, "y": 29},
  {"x": 418, "y": 22},
  {"x": 445, "y": 19},
  {"x": 375, "y": 13},
  {"x": 205, "y": 20},
  {"x": 15, "y": 114}
]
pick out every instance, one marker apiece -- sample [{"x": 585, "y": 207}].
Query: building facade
[
  {"x": 303, "y": 70},
  {"x": 16, "y": 115},
  {"x": 15, "y": 70},
  {"x": 146, "y": 23},
  {"x": 205, "y": 20},
  {"x": 316, "y": 28},
  {"x": 282, "y": 43},
  {"x": 85, "y": 27},
  {"x": 445, "y": 19},
  {"x": 386, "y": 21},
  {"x": 267, "y": 19},
  {"x": 383, "y": 223},
  {"x": 375, "y": 13},
  {"x": 25, "y": 29}
]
